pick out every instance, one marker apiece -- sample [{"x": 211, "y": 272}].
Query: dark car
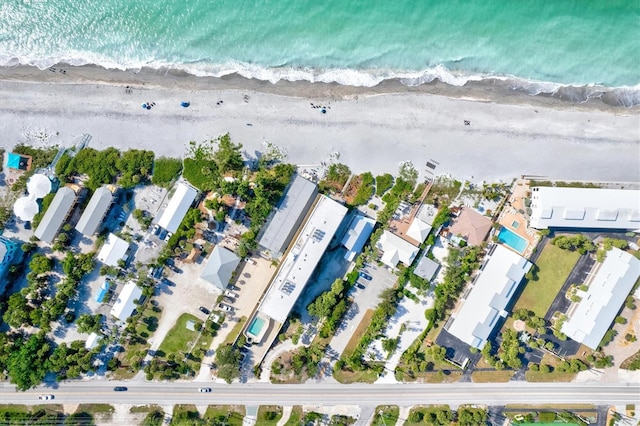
[
  {"x": 204, "y": 310},
  {"x": 360, "y": 286},
  {"x": 365, "y": 276},
  {"x": 120, "y": 388}
]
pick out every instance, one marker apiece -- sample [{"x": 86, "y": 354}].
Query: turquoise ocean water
[{"x": 537, "y": 46}]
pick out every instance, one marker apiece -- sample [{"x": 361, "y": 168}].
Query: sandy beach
[{"x": 371, "y": 129}]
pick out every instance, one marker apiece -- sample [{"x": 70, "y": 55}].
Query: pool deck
[{"x": 512, "y": 213}]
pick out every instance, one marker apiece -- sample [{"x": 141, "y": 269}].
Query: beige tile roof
[{"x": 472, "y": 226}]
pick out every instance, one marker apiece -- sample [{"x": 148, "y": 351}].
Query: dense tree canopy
[
  {"x": 228, "y": 362},
  {"x": 228, "y": 156},
  {"x": 166, "y": 170},
  {"x": 27, "y": 361},
  {"x": 102, "y": 167}
]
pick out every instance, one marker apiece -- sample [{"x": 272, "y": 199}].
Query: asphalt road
[{"x": 329, "y": 394}]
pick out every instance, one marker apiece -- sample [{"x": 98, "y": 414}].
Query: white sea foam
[{"x": 619, "y": 96}]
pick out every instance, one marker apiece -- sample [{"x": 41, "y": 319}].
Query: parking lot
[{"x": 184, "y": 291}]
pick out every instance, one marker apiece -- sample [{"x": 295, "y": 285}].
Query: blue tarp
[
  {"x": 104, "y": 289},
  {"x": 17, "y": 161}
]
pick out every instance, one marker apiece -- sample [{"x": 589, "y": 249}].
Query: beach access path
[{"x": 371, "y": 133}]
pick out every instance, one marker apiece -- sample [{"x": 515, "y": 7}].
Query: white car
[
  {"x": 45, "y": 397},
  {"x": 204, "y": 390},
  {"x": 231, "y": 294},
  {"x": 225, "y": 307}
]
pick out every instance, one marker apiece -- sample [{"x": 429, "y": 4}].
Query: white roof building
[
  {"x": 288, "y": 215},
  {"x": 489, "y": 297},
  {"x": 125, "y": 304},
  {"x": 395, "y": 250},
  {"x": 113, "y": 250},
  {"x": 418, "y": 230},
  {"x": 92, "y": 341},
  {"x": 95, "y": 211},
  {"x": 296, "y": 268},
  {"x": 177, "y": 207},
  {"x": 593, "y": 208},
  {"x": 608, "y": 289},
  {"x": 359, "y": 231}
]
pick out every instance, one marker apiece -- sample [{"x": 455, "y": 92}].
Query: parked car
[
  {"x": 204, "y": 390},
  {"x": 225, "y": 307},
  {"x": 228, "y": 299},
  {"x": 231, "y": 294},
  {"x": 120, "y": 389},
  {"x": 365, "y": 276},
  {"x": 45, "y": 397},
  {"x": 360, "y": 286},
  {"x": 204, "y": 310}
]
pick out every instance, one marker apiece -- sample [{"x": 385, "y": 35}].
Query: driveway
[{"x": 578, "y": 275}]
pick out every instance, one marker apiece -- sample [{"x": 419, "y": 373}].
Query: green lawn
[
  {"x": 296, "y": 415},
  {"x": 235, "y": 331},
  {"x": 500, "y": 376},
  {"x": 386, "y": 415},
  {"x": 554, "y": 266},
  {"x": 264, "y": 419},
  {"x": 346, "y": 377},
  {"x": 179, "y": 337},
  {"x": 145, "y": 329},
  {"x": 229, "y": 414},
  {"x": 95, "y": 408}
]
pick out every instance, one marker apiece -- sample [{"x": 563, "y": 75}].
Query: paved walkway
[
  {"x": 286, "y": 413},
  {"x": 403, "y": 414},
  {"x": 273, "y": 354}
]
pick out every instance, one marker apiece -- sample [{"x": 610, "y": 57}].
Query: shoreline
[
  {"x": 496, "y": 90},
  {"x": 372, "y": 129}
]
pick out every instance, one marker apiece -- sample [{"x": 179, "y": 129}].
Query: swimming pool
[
  {"x": 512, "y": 239},
  {"x": 256, "y": 326}
]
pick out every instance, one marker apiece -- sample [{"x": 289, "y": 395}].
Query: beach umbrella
[
  {"x": 144, "y": 106},
  {"x": 184, "y": 104},
  {"x": 25, "y": 208}
]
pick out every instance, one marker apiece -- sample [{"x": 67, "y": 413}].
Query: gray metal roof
[
  {"x": 56, "y": 214},
  {"x": 220, "y": 266},
  {"x": 289, "y": 214},
  {"x": 95, "y": 211},
  {"x": 426, "y": 268},
  {"x": 178, "y": 207},
  {"x": 603, "y": 299}
]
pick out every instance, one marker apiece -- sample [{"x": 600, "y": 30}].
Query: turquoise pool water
[
  {"x": 513, "y": 240},
  {"x": 256, "y": 326}
]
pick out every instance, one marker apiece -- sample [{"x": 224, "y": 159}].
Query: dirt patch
[
  {"x": 282, "y": 370},
  {"x": 352, "y": 189}
]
